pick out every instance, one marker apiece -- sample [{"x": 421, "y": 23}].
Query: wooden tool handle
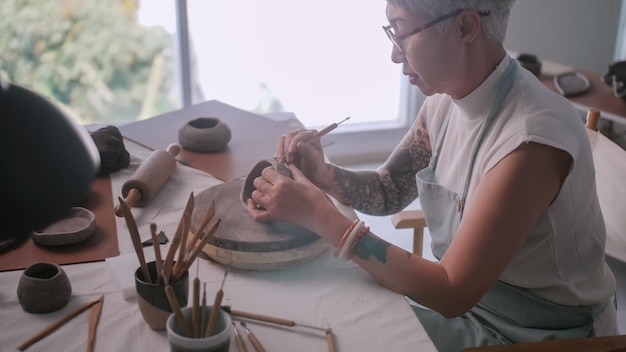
[
  {"x": 330, "y": 340},
  {"x": 593, "y": 116},
  {"x": 215, "y": 313},
  {"x": 261, "y": 317},
  {"x": 255, "y": 342}
]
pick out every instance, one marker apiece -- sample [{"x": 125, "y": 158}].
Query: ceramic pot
[
  {"x": 204, "y": 135},
  {"x": 43, "y": 288},
  {"x": 219, "y": 341},
  {"x": 248, "y": 184},
  {"x": 152, "y": 300}
]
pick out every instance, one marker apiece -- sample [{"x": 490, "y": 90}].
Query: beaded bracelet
[
  {"x": 358, "y": 237},
  {"x": 345, "y": 237},
  {"x": 355, "y": 231}
]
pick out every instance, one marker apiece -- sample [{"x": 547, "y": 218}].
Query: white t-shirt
[{"x": 563, "y": 258}]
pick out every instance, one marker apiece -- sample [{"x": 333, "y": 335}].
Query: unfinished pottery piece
[
  {"x": 204, "y": 135},
  {"x": 244, "y": 243},
  {"x": 43, "y": 288},
  {"x": 248, "y": 184},
  {"x": 77, "y": 225}
]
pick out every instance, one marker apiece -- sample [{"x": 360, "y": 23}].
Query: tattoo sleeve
[{"x": 392, "y": 187}]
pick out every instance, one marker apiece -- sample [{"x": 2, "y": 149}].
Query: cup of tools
[
  {"x": 152, "y": 298},
  {"x": 187, "y": 334}
]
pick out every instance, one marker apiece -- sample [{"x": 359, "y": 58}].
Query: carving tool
[
  {"x": 169, "y": 258},
  {"x": 319, "y": 134},
  {"x": 241, "y": 346},
  {"x": 216, "y": 309},
  {"x": 197, "y": 249},
  {"x": 136, "y": 239},
  {"x": 255, "y": 342},
  {"x": 149, "y": 178},
  {"x": 57, "y": 324},
  {"x": 269, "y": 319}
]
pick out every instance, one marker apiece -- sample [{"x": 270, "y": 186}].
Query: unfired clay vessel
[
  {"x": 204, "y": 135},
  {"x": 43, "y": 288},
  {"x": 248, "y": 185}
]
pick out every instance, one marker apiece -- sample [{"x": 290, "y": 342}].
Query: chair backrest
[{"x": 610, "y": 165}]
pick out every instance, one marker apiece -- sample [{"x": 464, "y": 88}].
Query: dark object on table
[
  {"x": 160, "y": 236},
  {"x": 113, "y": 153},
  {"x": 204, "y": 135},
  {"x": 570, "y": 84},
  {"x": 49, "y": 162},
  {"x": 531, "y": 63},
  {"x": 615, "y": 77}
]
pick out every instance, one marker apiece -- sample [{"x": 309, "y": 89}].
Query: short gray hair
[{"x": 493, "y": 25}]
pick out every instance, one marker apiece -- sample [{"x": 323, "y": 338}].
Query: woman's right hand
[{"x": 305, "y": 151}]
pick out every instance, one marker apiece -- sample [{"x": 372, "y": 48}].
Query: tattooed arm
[{"x": 389, "y": 189}]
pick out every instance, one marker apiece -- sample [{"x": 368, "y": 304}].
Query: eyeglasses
[{"x": 397, "y": 39}]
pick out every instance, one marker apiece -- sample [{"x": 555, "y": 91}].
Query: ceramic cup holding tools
[
  {"x": 153, "y": 303},
  {"x": 43, "y": 288},
  {"x": 219, "y": 341}
]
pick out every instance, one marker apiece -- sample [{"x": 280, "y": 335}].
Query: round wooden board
[{"x": 248, "y": 244}]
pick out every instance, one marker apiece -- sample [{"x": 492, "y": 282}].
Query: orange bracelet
[
  {"x": 343, "y": 253},
  {"x": 362, "y": 233},
  {"x": 344, "y": 237}
]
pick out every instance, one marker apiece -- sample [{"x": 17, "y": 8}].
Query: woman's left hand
[{"x": 295, "y": 200}]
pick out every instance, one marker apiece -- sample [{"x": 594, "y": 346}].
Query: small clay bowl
[
  {"x": 43, "y": 288},
  {"x": 248, "y": 184},
  {"x": 77, "y": 225},
  {"x": 204, "y": 135}
]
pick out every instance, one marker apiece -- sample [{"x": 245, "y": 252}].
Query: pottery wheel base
[{"x": 245, "y": 243}]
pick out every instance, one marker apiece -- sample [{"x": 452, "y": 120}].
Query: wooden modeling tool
[
  {"x": 136, "y": 239},
  {"x": 195, "y": 310},
  {"x": 158, "y": 261},
  {"x": 255, "y": 342},
  {"x": 149, "y": 178},
  {"x": 57, "y": 324},
  {"x": 216, "y": 309},
  {"x": 178, "y": 315},
  {"x": 241, "y": 346},
  {"x": 94, "y": 319}
]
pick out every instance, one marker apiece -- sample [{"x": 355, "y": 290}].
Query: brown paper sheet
[
  {"x": 101, "y": 245},
  {"x": 253, "y": 137}
]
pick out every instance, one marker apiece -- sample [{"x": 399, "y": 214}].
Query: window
[{"x": 119, "y": 61}]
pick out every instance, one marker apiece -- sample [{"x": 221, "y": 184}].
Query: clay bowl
[
  {"x": 248, "y": 185},
  {"x": 77, "y": 225},
  {"x": 204, "y": 135},
  {"x": 43, "y": 288}
]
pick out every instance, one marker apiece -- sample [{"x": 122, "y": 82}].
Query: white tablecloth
[{"x": 325, "y": 291}]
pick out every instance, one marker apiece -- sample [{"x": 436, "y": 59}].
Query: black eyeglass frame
[{"x": 397, "y": 39}]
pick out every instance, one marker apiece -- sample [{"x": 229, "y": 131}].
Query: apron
[{"x": 505, "y": 314}]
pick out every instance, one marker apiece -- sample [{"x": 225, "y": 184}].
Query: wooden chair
[{"x": 610, "y": 164}]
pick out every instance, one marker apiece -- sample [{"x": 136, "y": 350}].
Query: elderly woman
[{"x": 503, "y": 170}]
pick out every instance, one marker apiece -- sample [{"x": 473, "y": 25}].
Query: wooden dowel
[
  {"x": 261, "y": 317},
  {"x": 94, "y": 319},
  {"x": 171, "y": 298},
  {"x": 57, "y": 324},
  {"x": 593, "y": 116},
  {"x": 158, "y": 261},
  {"x": 195, "y": 310},
  {"x": 136, "y": 239},
  {"x": 330, "y": 340}
]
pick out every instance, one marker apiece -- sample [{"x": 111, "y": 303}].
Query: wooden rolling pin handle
[
  {"x": 134, "y": 195},
  {"x": 173, "y": 149}
]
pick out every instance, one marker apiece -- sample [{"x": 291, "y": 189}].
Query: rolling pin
[{"x": 149, "y": 178}]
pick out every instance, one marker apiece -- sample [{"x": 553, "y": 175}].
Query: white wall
[{"x": 578, "y": 33}]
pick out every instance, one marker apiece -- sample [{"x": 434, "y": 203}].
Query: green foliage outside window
[{"x": 92, "y": 57}]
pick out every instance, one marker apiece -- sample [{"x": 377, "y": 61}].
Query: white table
[{"x": 325, "y": 291}]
